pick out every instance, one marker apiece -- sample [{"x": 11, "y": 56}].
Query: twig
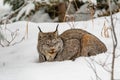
[
  {"x": 92, "y": 66},
  {"x": 116, "y": 3},
  {"x": 105, "y": 64},
  {"x": 114, "y": 38},
  {"x": 104, "y": 32},
  {"x": 12, "y": 13},
  {"x": 72, "y": 24},
  {"x": 67, "y": 11},
  {"x": 13, "y": 36},
  {"x": 26, "y": 33},
  {"x": 18, "y": 41},
  {"x": 76, "y": 4}
]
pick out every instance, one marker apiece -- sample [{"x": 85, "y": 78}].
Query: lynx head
[{"x": 49, "y": 44}]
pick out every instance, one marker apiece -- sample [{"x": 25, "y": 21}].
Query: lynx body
[
  {"x": 89, "y": 44},
  {"x": 68, "y": 46}
]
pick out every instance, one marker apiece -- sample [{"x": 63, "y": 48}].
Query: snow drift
[{"x": 20, "y": 62}]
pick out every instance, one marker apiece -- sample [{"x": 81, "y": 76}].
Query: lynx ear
[
  {"x": 57, "y": 28},
  {"x": 56, "y": 31},
  {"x": 40, "y": 33},
  {"x": 39, "y": 29}
]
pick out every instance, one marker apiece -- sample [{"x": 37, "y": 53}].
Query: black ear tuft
[
  {"x": 56, "y": 31},
  {"x": 57, "y": 28},
  {"x": 39, "y": 29}
]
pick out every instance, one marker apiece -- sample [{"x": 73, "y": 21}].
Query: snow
[
  {"x": 27, "y": 9},
  {"x": 92, "y": 1},
  {"x": 48, "y": 1},
  {"x": 43, "y": 17},
  {"x": 4, "y": 9},
  {"x": 83, "y": 13},
  {"x": 20, "y": 62},
  {"x": 2, "y": 6},
  {"x": 43, "y": 1}
]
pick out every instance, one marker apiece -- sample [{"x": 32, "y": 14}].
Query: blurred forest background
[{"x": 55, "y": 10}]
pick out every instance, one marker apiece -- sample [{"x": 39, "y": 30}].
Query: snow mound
[{"x": 20, "y": 62}]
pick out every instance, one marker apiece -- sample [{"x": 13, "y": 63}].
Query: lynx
[{"x": 69, "y": 45}]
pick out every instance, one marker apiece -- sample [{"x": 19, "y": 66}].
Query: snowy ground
[
  {"x": 4, "y": 9},
  {"x": 20, "y": 62}
]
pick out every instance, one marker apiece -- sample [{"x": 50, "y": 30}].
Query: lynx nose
[{"x": 52, "y": 51}]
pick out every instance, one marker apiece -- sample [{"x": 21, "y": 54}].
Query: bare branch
[
  {"x": 116, "y": 3},
  {"x": 104, "y": 65},
  {"x": 19, "y": 41},
  {"x": 6, "y": 19},
  {"x": 13, "y": 36},
  {"x": 93, "y": 67},
  {"x": 114, "y": 38}
]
